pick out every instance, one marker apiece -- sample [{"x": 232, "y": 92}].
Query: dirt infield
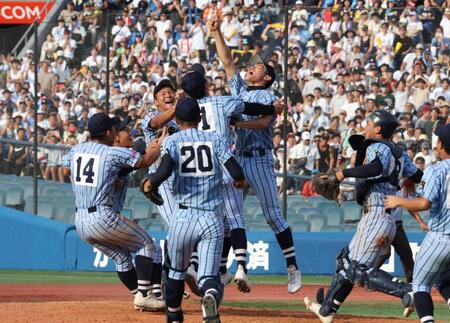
[{"x": 112, "y": 303}]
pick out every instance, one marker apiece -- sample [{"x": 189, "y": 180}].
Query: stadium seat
[
  {"x": 335, "y": 215},
  {"x": 317, "y": 222},
  {"x": 143, "y": 223},
  {"x": 139, "y": 198},
  {"x": 350, "y": 227},
  {"x": 48, "y": 190},
  {"x": 324, "y": 205},
  {"x": 127, "y": 212},
  {"x": 352, "y": 212},
  {"x": 308, "y": 212},
  {"x": 294, "y": 218},
  {"x": 133, "y": 191},
  {"x": 259, "y": 227},
  {"x": 155, "y": 227},
  {"x": 46, "y": 210},
  {"x": 315, "y": 200},
  {"x": 142, "y": 209},
  {"x": 332, "y": 228},
  {"x": 301, "y": 226},
  {"x": 14, "y": 198},
  {"x": 66, "y": 215},
  {"x": 2, "y": 198},
  {"x": 300, "y": 205}
]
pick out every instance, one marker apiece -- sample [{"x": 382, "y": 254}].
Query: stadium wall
[{"x": 36, "y": 243}]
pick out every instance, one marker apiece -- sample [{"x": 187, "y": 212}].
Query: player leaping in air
[
  {"x": 433, "y": 260},
  {"x": 254, "y": 146}
]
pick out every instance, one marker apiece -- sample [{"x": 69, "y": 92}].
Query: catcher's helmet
[{"x": 386, "y": 121}]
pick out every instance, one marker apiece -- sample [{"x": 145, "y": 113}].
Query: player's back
[
  {"x": 437, "y": 180},
  {"x": 94, "y": 168},
  {"x": 217, "y": 112},
  {"x": 198, "y": 156}
]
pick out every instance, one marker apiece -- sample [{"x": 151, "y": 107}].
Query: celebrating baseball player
[
  {"x": 94, "y": 167},
  {"x": 254, "y": 146},
  {"x": 195, "y": 157},
  {"x": 217, "y": 112},
  {"x": 123, "y": 139},
  {"x": 384, "y": 166},
  {"x": 433, "y": 260}
]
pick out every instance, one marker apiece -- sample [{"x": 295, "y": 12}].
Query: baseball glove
[
  {"x": 326, "y": 185},
  {"x": 152, "y": 195}
]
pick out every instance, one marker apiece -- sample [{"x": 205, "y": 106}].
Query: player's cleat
[
  {"x": 191, "y": 280},
  {"x": 186, "y": 295},
  {"x": 209, "y": 309},
  {"x": 241, "y": 280},
  {"x": 225, "y": 278},
  {"x": 315, "y": 308},
  {"x": 149, "y": 303},
  {"x": 408, "y": 302},
  {"x": 294, "y": 280}
]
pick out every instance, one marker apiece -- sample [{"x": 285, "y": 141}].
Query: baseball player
[
  {"x": 154, "y": 121},
  {"x": 401, "y": 242},
  {"x": 195, "y": 158},
  {"x": 217, "y": 112},
  {"x": 94, "y": 167},
  {"x": 384, "y": 166},
  {"x": 433, "y": 260},
  {"x": 123, "y": 139},
  {"x": 254, "y": 147}
]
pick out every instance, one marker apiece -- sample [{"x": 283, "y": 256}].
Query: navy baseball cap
[
  {"x": 197, "y": 67},
  {"x": 162, "y": 84},
  {"x": 100, "y": 123},
  {"x": 443, "y": 132},
  {"x": 187, "y": 109},
  {"x": 193, "y": 83},
  {"x": 122, "y": 123}
]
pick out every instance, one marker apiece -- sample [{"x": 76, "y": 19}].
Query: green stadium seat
[
  {"x": 142, "y": 209},
  {"x": 324, "y": 205},
  {"x": 352, "y": 212},
  {"x": 143, "y": 223},
  {"x": 308, "y": 212},
  {"x": 350, "y": 227},
  {"x": 259, "y": 227},
  {"x": 2, "y": 198},
  {"x": 335, "y": 215},
  {"x": 317, "y": 222},
  {"x": 315, "y": 200},
  {"x": 133, "y": 191},
  {"x": 301, "y": 226},
  {"x": 155, "y": 227},
  {"x": 299, "y": 205},
  {"x": 332, "y": 228},
  {"x": 14, "y": 198},
  {"x": 66, "y": 215},
  {"x": 50, "y": 190},
  {"x": 294, "y": 218},
  {"x": 46, "y": 210},
  {"x": 127, "y": 212}
]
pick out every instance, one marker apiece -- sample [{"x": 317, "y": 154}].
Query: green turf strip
[
  {"x": 376, "y": 309},
  {"x": 59, "y": 277}
]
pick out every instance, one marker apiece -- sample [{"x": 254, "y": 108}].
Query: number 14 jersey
[
  {"x": 94, "y": 168},
  {"x": 198, "y": 158}
]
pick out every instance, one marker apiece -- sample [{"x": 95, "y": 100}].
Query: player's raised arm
[
  {"x": 222, "y": 49},
  {"x": 257, "y": 124},
  {"x": 152, "y": 152}
]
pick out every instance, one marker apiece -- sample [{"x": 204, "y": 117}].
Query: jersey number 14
[{"x": 86, "y": 169}]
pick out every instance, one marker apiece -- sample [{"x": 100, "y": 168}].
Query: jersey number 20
[{"x": 196, "y": 159}]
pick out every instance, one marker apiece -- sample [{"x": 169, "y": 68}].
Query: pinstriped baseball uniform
[
  {"x": 433, "y": 260},
  {"x": 94, "y": 168},
  {"x": 259, "y": 170},
  {"x": 217, "y": 112},
  {"x": 169, "y": 207},
  {"x": 376, "y": 230},
  {"x": 198, "y": 192}
]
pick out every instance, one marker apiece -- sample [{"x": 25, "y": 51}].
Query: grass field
[{"x": 365, "y": 308}]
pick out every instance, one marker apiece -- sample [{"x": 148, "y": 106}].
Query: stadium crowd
[{"x": 345, "y": 58}]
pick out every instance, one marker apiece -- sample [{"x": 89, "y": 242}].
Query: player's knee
[
  {"x": 123, "y": 262},
  {"x": 213, "y": 285}
]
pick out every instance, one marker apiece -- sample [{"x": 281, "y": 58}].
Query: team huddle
[{"x": 202, "y": 153}]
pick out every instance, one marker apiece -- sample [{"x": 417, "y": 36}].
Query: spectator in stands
[{"x": 18, "y": 155}]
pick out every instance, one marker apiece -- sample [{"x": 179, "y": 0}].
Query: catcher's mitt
[
  {"x": 326, "y": 185},
  {"x": 152, "y": 195}
]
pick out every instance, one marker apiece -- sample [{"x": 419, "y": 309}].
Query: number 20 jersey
[
  {"x": 94, "y": 168},
  {"x": 198, "y": 156}
]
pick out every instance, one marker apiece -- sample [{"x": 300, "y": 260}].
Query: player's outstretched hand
[
  {"x": 424, "y": 226},
  {"x": 179, "y": 94},
  {"x": 279, "y": 106},
  {"x": 391, "y": 202},
  {"x": 240, "y": 184}
]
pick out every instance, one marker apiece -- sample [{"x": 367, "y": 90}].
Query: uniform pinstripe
[
  {"x": 259, "y": 170},
  {"x": 198, "y": 188},
  {"x": 433, "y": 260},
  {"x": 94, "y": 168},
  {"x": 217, "y": 112},
  {"x": 165, "y": 189},
  {"x": 377, "y": 228}
]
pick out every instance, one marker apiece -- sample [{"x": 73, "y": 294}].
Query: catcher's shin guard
[
  {"x": 381, "y": 281},
  {"x": 339, "y": 289}
]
